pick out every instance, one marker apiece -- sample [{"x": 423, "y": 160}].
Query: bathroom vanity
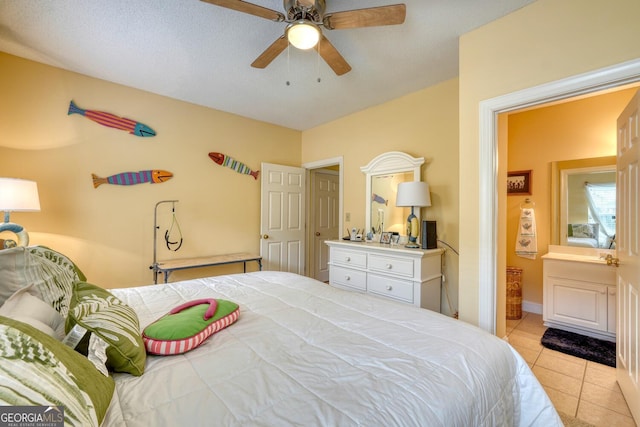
[{"x": 580, "y": 291}]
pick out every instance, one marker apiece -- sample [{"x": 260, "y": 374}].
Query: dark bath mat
[{"x": 588, "y": 348}]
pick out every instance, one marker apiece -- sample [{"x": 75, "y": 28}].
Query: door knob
[
  {"x": 266, "y": 236},
  {"x": 317, "y": 233},
  {"x": 612, "y": 261}
]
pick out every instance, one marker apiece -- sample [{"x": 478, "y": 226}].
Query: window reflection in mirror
[{"x": 584, "y": 211}]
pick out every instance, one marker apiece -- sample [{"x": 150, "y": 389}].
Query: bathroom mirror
[
  {"x": 583, "y": 202},
  {"x": 384, "y": 173}
]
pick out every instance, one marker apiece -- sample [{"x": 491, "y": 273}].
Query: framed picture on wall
[{"x": 519, "y": 183}]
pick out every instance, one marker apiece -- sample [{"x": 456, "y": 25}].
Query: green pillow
[
  {"x": 103, "y": 314},
  {"x": 189, "y": 325},
  {"x": 58, "y": 258},
  {"x": 39, "y": 370}
]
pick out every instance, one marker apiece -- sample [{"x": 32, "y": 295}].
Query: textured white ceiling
[{"x": 200, "y": 53}]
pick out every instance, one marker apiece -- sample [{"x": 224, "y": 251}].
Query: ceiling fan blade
[
  {"x": 271, "y": 52},
  {"x": 370, "y": 17},
  {"x": 249, "y": 8},
  {"x": 332, "y": 57}
]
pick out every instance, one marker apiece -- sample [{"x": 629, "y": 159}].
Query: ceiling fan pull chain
[
  {"x": 288, "y": 67},
  {"x": 318, "y": 61}
]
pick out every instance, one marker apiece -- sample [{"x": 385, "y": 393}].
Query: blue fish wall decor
[{"x": 155, "y": 176}]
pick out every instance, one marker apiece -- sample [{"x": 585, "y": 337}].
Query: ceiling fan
[{"x": 305, "y": 19}]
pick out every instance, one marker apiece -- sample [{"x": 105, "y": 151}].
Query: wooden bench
[{"x": 166, "y": 267}]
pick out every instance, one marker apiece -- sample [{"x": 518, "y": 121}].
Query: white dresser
[
  {"x": 580, "y": 294},
  {"x": 412, "y": 276}
]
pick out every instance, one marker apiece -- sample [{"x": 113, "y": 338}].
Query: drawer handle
[
  {"x": 348, "y": 258},
  {"x": 389, "y": 266},
  {"x": 612, "y": 292},
  {"x": 389, "y": 287},
  {"x": 603, "y": 292},
  {"x": 347, "y": 277}
]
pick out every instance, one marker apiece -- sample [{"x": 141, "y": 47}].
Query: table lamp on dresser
[{"x": 413, "y": 194}]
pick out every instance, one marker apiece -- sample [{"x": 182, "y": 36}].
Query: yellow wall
[
  {"x": 108, "y": 231},
  {"x": 543, "y": 42},
  {"x": 422, "y": 124},
  {"x": 584, "y": 128}
]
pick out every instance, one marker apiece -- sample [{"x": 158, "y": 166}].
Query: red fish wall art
[
  {"x": 113, "y": 121},
  {"x": 230, "y": 162},
  {"x": 155, "y": 176}
]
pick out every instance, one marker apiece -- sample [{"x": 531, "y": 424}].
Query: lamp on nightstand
[
  {"x": 413, "y": 194},
  {"x": 17, "y": 195}
]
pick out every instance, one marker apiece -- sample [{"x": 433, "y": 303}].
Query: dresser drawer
[
  {"x": 387, "y": 264},
  {"x": 391, "y": 272},
  {"x": 349, "y": 258},
  {"x": 346, "y": 277},
  {"x": 391, "y": 288}
]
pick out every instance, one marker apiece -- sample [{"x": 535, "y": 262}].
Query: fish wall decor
[
  {"x": 230, "y": 162},
  {"x": 113, "y": 121},
  {"x": 379, "y": 199},
  {"x": 155, "y": 176}
]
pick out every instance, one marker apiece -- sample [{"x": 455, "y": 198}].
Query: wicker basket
[{"x": 514, "y": 293}]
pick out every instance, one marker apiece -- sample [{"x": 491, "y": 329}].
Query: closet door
[{"x": 282, "y": 224}]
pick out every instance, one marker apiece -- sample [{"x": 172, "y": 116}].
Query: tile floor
[{"x": 579, "y": 388}]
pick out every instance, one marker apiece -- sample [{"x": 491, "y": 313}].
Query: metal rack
[{"x": 155, "y": 266}]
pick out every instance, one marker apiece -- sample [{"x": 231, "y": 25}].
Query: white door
[
  {"x": 282, "y": 225},
  {"x": 325, "y": 219},
  {"x": 628, "y": 252}
]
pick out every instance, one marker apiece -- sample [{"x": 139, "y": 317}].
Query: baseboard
[{"x": 531, "y": 307}]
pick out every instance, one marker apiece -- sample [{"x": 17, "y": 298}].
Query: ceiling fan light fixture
[{"x": 303, "y": 34}]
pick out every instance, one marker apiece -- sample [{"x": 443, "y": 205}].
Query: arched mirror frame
[
  {"x": 559, "y": 172},
  {"x": 386, "y": 163}
]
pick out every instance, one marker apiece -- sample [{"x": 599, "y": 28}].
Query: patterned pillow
[
  {"x": 103, "y": 314},
  {"x": 58, "y": 258},
  {"x": 589, "y": 231},
  {"x": 38, "y": 370},
  {"x": 51, "y": 273}
]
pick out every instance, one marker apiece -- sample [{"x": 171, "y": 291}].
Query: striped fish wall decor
[
  {"x": 155, "y": 176},
  {"x": 230, "y": 162},
  {"x": 113, "y": 121}
]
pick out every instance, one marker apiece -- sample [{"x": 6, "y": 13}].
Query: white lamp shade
[
  {"x": 414, "y": 193},
  {"x": 303, "y": 34},
  {"x": 18, "y": 195}
]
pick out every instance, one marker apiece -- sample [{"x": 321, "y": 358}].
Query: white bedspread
[{"x": 306, "y": 354}]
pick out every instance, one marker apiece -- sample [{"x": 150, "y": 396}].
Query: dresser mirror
[
  {"x": 583, "y": 202},
  {"x": 384, "y": 173}
]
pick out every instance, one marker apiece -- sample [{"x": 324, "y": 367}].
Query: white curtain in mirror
[{"x": 601, "y": 198}]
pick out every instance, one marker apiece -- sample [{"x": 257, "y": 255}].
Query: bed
[{"x": 304, "y": 353}]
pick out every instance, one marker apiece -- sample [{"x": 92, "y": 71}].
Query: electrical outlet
[{"x": 347, "y": 216}]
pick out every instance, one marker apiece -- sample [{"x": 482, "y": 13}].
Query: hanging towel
[{"x": 526, "y": 241}]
